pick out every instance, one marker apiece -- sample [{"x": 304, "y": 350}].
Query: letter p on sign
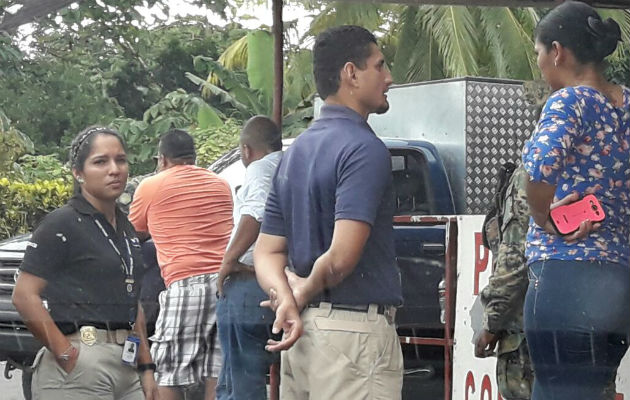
[{"x": 481, "y": 260}]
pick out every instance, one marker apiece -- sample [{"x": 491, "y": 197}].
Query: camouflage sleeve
[{"x": 504, "y": 295}]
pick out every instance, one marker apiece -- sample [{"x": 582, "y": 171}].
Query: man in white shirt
[{"x": 244, "y": 326}]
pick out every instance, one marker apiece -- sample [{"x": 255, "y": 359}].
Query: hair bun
[
  {"x": 613, "y": 29},
  {"x": 608, "y": 29},
  {"x": 606, "y": 34}
]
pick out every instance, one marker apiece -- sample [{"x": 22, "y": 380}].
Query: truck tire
[{"x": 27, "y": 379}]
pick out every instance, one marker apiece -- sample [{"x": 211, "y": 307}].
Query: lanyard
[{"x": 127, "y": 267}]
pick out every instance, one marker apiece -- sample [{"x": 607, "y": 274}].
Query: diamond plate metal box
[{"x": 498, "y": 122}]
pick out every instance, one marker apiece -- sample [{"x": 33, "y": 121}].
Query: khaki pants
[
  {"x": 344, "y": 355},
  {"x": 98, "y": 375}
]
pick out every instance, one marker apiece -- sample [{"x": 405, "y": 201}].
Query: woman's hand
[
  {"x": 68, "y": 360},
  {"x": 586, "y": 227}
]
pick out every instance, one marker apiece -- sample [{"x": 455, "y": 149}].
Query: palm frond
[
  {"x": 457, "y": 37},
  {"x": 367, "y": 15},
  {"x": 417, "y": 57},
  {"x": 233, "y": 58},
  {"x": 511, "y": 45}
]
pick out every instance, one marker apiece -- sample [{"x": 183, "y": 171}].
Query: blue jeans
[
  {"x": 244, "y": 328},
  {"x": 577, "y": 321}
]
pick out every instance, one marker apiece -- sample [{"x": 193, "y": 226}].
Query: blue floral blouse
[{"x": 582, "y": 144}]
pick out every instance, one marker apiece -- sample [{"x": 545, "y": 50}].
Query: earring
[
  {"x": 80, "y": 180},
  {"x": 555, "y": 63}
]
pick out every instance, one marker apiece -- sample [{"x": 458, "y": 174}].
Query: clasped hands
[{"x": 287, "y": 303}]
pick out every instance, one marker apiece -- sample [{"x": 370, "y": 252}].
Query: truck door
[{"x": 421, "y": 250}]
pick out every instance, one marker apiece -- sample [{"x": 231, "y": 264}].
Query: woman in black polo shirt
[{"x": 85, "y": 260}]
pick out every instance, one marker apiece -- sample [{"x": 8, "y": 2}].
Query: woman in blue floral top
[{"x": 577, "y": 308}]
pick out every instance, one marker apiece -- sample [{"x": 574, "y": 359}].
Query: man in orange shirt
[{"x": 187, "y": 210}]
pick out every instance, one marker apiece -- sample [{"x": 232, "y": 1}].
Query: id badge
[{"x": 130, "y": 350}]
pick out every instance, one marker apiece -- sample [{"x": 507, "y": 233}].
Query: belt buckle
[{"x": 88, "y": 335}]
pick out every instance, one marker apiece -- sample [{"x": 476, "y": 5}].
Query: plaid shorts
[{"x": 185, "y": 344}]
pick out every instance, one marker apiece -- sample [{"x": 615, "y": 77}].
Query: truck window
[{"x": 409, "y": 170}]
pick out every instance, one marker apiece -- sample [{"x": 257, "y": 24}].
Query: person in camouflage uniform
[{"x": 504, "y": 295}]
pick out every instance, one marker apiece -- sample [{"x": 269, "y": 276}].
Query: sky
[
  {"x": 251, "y": 17},
  {"x": 263, "y": 13}
]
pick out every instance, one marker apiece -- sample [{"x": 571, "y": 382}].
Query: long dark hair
[{"x": 578, "y": 27}]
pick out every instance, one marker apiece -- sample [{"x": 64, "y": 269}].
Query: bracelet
[
  {"x": 146, "y": 367},
  {"x": 65, "y": 356}
]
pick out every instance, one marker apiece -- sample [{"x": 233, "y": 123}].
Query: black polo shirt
[
  {"x": 337, "y": 169},
  {"x": 86, "y": 276}
]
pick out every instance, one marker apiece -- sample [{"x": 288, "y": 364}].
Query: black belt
[
  {"x": 352, "y": 307},
  {"x": 70, "y": 328}
]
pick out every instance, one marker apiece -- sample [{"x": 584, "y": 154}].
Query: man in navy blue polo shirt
[{"x": 329, "y": 215}]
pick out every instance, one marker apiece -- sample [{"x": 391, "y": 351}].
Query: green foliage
[
  {"x": 52, "y": 101},
  {"x": 9, "y": 54},
  {"x": 213, "y": 142},
  {"x": 260, "y": 65},
  {"x": 13, "y": 144},
  {"x": 31, "y": 168},
  {"x": 177, "y": 110},
  {"x": 22, "y": 205}
]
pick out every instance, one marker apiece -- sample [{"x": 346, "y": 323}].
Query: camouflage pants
[{"x": 515, "y": 375}]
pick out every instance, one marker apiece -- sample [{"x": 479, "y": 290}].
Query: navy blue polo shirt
[{"x": 337, "y": 169}]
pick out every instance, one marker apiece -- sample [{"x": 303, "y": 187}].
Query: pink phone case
[{"x": 567, "y": 218}]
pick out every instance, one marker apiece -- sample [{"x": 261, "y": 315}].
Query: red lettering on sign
[
  {"x": 619, "y": 396},
  {"x": 470, "y": 383},
  {"x": 486, "y": 388},
  {"x": 481, "y": 260}
]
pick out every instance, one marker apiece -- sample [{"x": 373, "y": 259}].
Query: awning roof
[{"x": 503, "y": 3}]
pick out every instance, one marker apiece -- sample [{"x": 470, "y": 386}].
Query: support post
[{"x": 278, "y": 62}]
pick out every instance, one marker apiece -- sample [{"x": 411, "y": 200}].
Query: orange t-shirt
[{"x": 188, "y": 212}]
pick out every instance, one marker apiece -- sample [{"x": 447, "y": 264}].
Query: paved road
[{"x": 11, "y": 389}]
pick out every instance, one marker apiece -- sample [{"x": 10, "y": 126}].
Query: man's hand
[
  {"x": 228, "y": 268},
  {"x": 287, "y": 319},
  {"x": 299, "y": 286},
  {"x": 586, "y": 227},
  {"x": 485, "y": 344},
  {"x": 149, "y": 386}
]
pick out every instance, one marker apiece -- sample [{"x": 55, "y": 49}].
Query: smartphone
[{"x": 567, "y": 218}]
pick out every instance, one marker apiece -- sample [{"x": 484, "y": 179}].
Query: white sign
[{"x": 474, "y": 378}]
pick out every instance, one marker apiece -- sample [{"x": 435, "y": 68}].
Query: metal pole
[
  {"x": 450, "y": 276},
  {"x": 278, "y": 63},
  {"x": 278, "y": 82}
]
